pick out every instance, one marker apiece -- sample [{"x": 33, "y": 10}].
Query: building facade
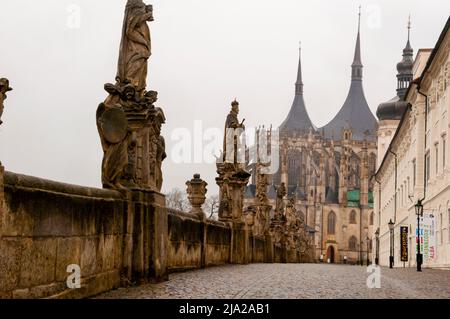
[
  {"x": 415, "y": 166},
  {"x": 326, "y": 171}
]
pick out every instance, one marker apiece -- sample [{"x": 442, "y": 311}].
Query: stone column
[
  {"x": 196, "y": 190},
  {"x": 148, "y": 229}
]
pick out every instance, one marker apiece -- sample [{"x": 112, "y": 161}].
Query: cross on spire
[
  {"x": 359, "y": 19},
  {"x": 409, "y": 25},
  {"x": 357, "y": 64}
]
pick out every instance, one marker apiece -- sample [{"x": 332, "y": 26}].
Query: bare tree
[
  {"x": 177, "y": 199},
  {"x": 211, "y": 207}
]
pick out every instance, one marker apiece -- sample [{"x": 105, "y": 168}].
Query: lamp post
[
  {"x": 419, "y": 213},
  {"x": 367, "y": 254},
  {"x": 377, "y": 246},
  {"x": 391, "y": 254}
]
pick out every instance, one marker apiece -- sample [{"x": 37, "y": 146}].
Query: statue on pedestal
[
  {"x": 232, "y": 177},
  {"x": 4, "y": 88}
]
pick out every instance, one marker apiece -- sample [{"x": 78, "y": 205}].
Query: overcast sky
[{"x": 205, "y": 53}]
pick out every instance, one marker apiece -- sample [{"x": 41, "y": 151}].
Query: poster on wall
[
  {"x": 427, "y": 236},
  {"x": 404, "y": 243}
]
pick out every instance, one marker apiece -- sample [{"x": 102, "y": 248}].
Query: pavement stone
[{"x": 292, "y": 281}]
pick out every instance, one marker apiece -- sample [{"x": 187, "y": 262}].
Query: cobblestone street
[{"x": 292, "y": 281}]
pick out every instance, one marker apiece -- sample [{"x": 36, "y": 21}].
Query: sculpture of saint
[
  {"x": 4, "y": 87},
  {"x": 135, "y": 47}
]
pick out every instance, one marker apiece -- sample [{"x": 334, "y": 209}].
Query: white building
[{"x": 414, "y": 160}]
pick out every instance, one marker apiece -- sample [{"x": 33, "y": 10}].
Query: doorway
[{"x": 330, "y": 254}]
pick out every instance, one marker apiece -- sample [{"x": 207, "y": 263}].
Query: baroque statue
[
  {"x": 4, "y": 88},
  {"x": 281, "y": 193},
  {"x": 128, "y": 122},
  {"x": 232, "y": 177},
  {"x": 232, "y": 133},
  {"x": 135, "y": 47}
]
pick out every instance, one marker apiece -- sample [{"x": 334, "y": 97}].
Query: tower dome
[{"x": 395, "y": 107}]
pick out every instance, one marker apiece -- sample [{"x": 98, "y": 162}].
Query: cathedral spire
[
  {"x": 299, "y": 83},
  {"x": 355, "y": 114},
  {"x": 298, "y": 118},
  {"x": 357, "y": 64}
]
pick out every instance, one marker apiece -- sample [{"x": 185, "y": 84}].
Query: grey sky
[{"x": 205, "y": 53}]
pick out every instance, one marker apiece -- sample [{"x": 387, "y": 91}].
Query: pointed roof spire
[
  {"x": 357, "y": 64},
  {"x": 408, "y": 49},
  {"x": 298, "y": 118},
  {"x": 355, "y": 114},
  {"x": 299, "y": 83}
]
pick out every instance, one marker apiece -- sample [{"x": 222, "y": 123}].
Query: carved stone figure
[
  {"x": 160, "y": 147},
  {"x": 231, "y": 134},
  {"x": 128, "y": 122},
  {"x": 232, "y": 177},
  {"x": 261, "y": 184},
  {"x": 281, "y": 192},
  {"x": 4, "y": 87},
  {"x": 135, "y": 47},
  {"x": 112, "y": 126}
]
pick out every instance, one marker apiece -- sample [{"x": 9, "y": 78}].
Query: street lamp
[
  {"x": 391, "y": 255},
  {"x": 377, "y": 247},
  {"x": 419, "y": 213},
  {"x": 368, "y": 246}
]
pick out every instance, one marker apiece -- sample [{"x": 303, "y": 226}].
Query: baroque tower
[{"x": 390, "y": 113}]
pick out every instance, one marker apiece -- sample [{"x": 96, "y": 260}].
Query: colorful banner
[
  {"x": 427, "y": 236},
  {"x": 404, "y": 243}
]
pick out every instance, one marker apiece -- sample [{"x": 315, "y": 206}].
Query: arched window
[
  {"x": 352, "y": 243},
  {"x": 331, "y": 223},
  {"x": 371, "y": 219},
  {"x": 352, "y": 217}
]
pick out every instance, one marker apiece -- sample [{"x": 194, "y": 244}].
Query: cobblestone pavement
[{"x": 292, "y": 281}]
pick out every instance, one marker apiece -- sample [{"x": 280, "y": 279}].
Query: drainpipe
[
  {"x": 377, "y": 239},
  {"x": 424, "y": 155},
  {"x": 395, "y": 198},
  {"x": 419, "y": 260}
]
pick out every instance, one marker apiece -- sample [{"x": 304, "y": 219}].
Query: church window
[
  {"x": 352, "y": 243},
  {"x": 371, "y": 219},
  {"x": 352, "y": 217},
  {"x": 331, "y": 223}
]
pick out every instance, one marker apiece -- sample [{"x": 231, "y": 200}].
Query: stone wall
[
  {"x": 196, "y": 243},
  {"x": 46, "y": 226},
  {"x": 116, "y": 238}
]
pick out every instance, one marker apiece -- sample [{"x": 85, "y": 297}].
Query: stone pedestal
[
  {"x": 239, "y": 243},
  {"x": 148, "y": 228},
  {"x": 2, "y": 196},
  {"x": 231, "y": 196}
]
